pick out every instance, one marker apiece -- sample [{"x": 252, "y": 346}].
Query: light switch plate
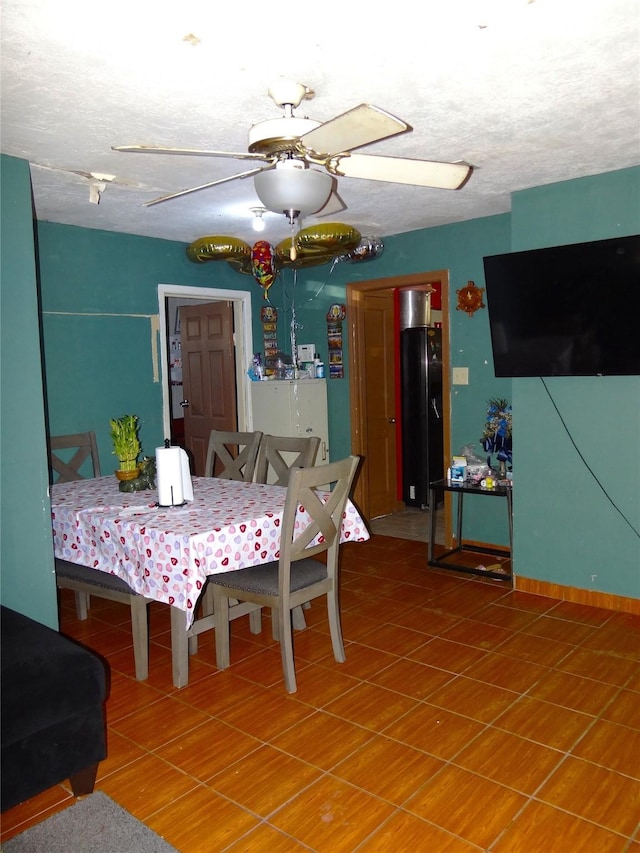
[{"x": 460, "y": 375}]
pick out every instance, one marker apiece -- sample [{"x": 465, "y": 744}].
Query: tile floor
[
  {"x": 410, "y": 523},
  {"x": 467, "y": 717}
]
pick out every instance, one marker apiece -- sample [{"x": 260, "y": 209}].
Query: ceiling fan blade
[
  {"x": 401, "y": 170},
  {"x": 193, "y": 152},
  {"x": 360, "y": 126},
  {"x": 204, "y": 186}
]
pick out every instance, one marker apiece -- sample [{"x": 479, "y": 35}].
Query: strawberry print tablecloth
[{"x": 166, "y": 553}]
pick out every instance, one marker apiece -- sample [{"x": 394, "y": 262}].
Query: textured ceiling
[{"x": 529, "y": 93}]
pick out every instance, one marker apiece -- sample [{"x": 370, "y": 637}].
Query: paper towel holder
[{"x": 173, "y": 476}]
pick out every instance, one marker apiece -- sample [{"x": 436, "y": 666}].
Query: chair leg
[
  {"x": 206, "y": 609},
  {"x": 82, "y": 605},
  {"x": 255, "y": 621},
  {"x": 298, "y": 618},
  {"x": 221, "y": 610},
  {"x": 140, "y": 630},
  {"x": 334, "y": 626},
  {"x": 286, "y": 649},
  {"x": 207, "y": 600}
]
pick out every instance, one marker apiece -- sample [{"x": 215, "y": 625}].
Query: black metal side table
[{"x": 462, "y": 489}]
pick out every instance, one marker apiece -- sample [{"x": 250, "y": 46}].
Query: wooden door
[
  {"x": 209, "y": 376},
  {"x": 365, "y": 385},
  {"x": 381, "y": 420}
]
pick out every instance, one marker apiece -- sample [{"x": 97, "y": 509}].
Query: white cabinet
[{"x": 293, "y": 407}]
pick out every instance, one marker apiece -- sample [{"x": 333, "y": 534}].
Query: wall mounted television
[{"x": 569, "y": 310}]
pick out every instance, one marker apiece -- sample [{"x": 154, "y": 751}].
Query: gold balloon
[
  {"x": 317, "y": 244},
  {"x": 231, "y": 249}
]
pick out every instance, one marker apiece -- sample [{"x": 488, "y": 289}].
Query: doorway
[
  {"x": 240, "y": 301},
  {"x": 375, "y": 400}
]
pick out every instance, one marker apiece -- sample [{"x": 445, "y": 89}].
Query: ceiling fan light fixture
[
  {"x": 258, "y": 222},
  {"x": 292, "y": 189}
]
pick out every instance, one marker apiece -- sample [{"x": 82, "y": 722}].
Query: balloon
[
  {"x": 317, "y": 244},
  {"x": 230, "y": 249},
  {"x": 367, "y": 249},
  {"x": 263, "y": 264}
]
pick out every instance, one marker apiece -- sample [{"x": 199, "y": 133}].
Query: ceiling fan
[
  {"x": 291, "y": 149},
  {"x": 97, "y": 182}
]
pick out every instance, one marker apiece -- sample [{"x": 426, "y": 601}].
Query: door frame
[
  {"x": 358, "y": 366},
  {"x": 243, "y": 340}
]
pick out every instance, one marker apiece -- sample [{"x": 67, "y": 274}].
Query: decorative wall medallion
[{"x": 470, "y": 298}]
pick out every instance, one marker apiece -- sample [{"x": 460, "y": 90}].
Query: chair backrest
[
  {"x": 325, "y": 510},
  {"x": 85, "y": 447},
  {"x": 232, "y": 455},
  {"x": 299, "y": 453}
]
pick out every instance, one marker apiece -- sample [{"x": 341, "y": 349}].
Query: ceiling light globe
[{"x": 291, "y": 187}]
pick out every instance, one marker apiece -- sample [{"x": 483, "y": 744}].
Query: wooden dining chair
[
  {"x": 83, "y": 580},
  {"x": 232, "y": 455},
  {"x": 280, "y": 453},
  {"x": 85, "y": 448},
  {"x": 296, "y": 577}
]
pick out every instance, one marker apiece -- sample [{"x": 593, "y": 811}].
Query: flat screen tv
[{"x": 566, "y": 311}]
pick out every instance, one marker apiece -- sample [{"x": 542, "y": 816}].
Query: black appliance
[
  {"x": 567, "y": 310},
  {"x": 421, "y": 402}
]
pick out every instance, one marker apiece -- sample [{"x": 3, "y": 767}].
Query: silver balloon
[{"x": 368, "y": 249}]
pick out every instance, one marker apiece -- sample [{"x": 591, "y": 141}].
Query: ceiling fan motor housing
[{"x": 278, "y": 135}]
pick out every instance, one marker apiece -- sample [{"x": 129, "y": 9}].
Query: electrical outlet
[{"x": 460, "y": 375}]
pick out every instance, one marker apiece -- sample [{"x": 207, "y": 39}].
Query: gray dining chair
[
  {"x": 280, "y": 453},
  {"x": 85, "y": 581},
  {"x": 232, "y": 455},
  {"x": 296, "y": 577},
  {"x": 85, "y": 450}
]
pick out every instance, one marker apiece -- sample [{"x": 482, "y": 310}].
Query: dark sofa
[{"x": 52, "y": 710}]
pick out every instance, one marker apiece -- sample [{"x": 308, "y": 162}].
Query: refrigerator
[
  {"x": 421, "y": 406},
  {"x": 294, "y": 407}
]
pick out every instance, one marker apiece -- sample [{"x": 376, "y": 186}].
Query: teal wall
[
  {"x": 99, "y": 293},
  {"x": 577, "y": 501},
  {"x": 27, "y": 581},
  {"x": 99, "y": 290}
]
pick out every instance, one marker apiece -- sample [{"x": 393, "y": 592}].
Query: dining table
[{"x": 167, "y": 553}]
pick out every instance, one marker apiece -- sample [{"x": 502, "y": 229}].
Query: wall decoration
[
  {"x": 269, "y": 319},
  {"x": 470, "y": 298},
  {"x": 335, "y": 316}
]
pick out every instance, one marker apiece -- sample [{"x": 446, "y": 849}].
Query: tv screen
[{"x": 566, "y": 311}]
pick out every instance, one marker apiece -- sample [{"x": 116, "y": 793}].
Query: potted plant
[
  {"x": 496, "y": 437},
  {"x": 126, "y": 445}
]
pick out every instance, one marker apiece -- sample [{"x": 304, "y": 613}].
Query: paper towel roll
[
  {"x": 169, "y": 476},
  {"x": 187, "y": 484}
]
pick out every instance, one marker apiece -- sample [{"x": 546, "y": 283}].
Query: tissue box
[{"x": 459, "y": 469}]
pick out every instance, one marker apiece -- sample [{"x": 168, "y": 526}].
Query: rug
[{"x": 94, "y": 824}]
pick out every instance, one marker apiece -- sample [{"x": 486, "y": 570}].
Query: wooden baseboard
[{"x": 606, "y": 600}]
